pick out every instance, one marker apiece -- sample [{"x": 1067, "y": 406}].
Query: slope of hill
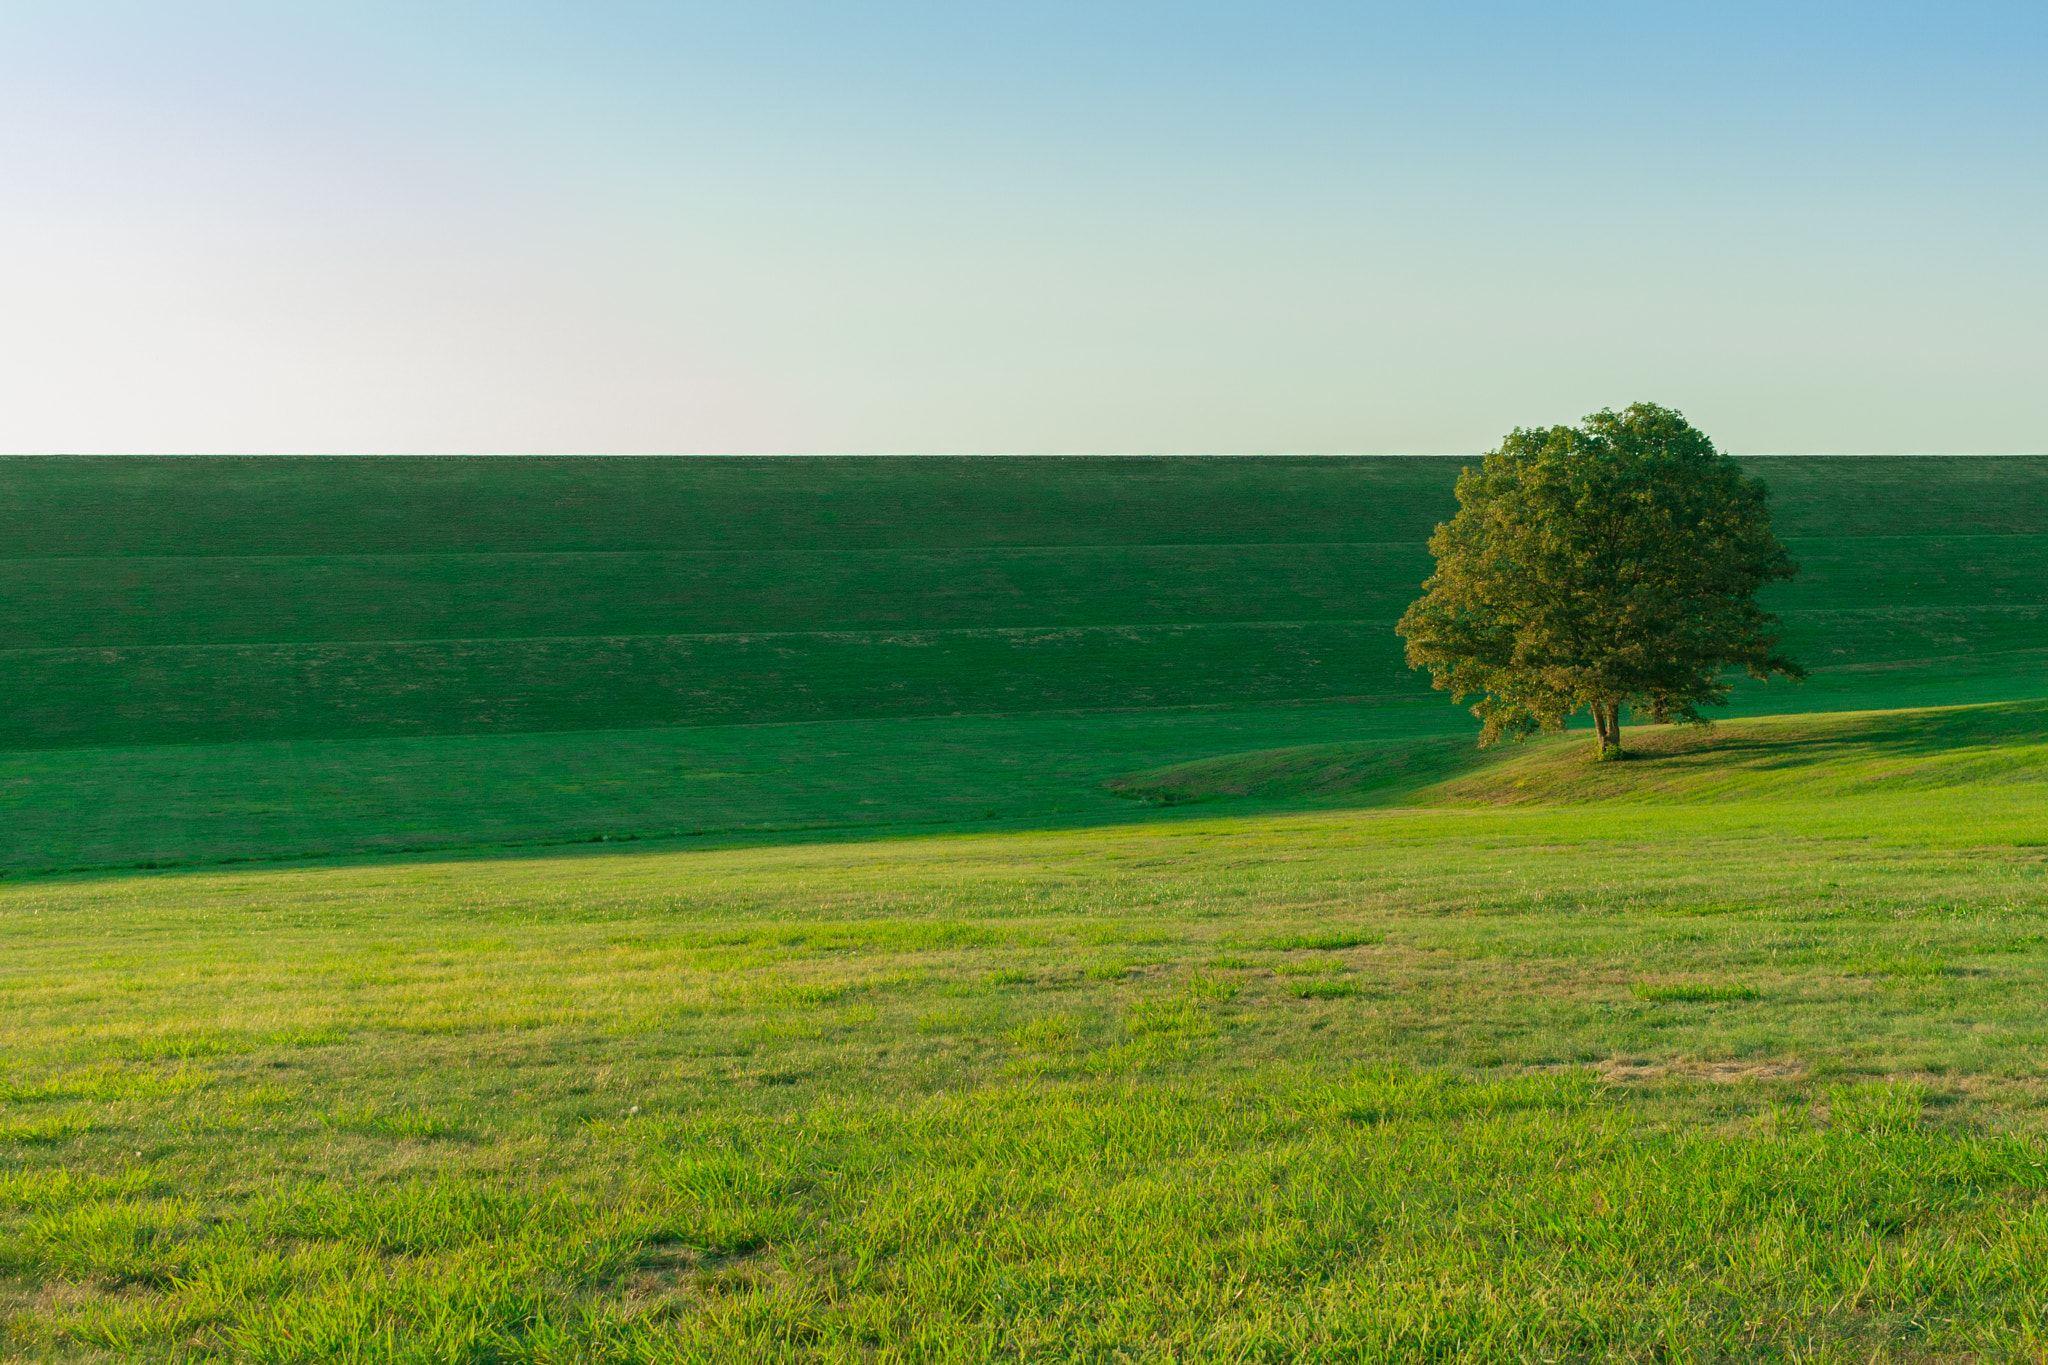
[
  {"x": 154, "y": 601},
  {"x": 200, "y": 600},
  {"x": 1998, "y": 752},
  {"x": 174, "y": 804},
  {"x": 490, "y": 617}
]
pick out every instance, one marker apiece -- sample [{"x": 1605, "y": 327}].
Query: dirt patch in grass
[{"x": 1720, "y": 1073}]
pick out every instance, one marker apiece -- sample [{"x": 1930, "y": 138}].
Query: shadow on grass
[
  {"x": 1352, "y": 773},
  {"x": 1751, "y": 755},
  {"x": 1748, "y": 756},
  {"x": 1801, "y": 741}
]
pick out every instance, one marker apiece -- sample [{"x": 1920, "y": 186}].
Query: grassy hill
[
  {"x": 1245, "y": 1011},
  {"x": 1731, "y": 1052},
  {"x": 194, "y": 600},
  {"x": 204, "y": 600},
  {"x": 1997, "y": 753},
  {"x": 579, "y": 638}
]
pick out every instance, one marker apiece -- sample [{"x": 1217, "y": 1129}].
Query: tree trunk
[{"x": 1607, "y": 721}]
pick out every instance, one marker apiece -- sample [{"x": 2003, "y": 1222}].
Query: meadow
[
  {"x": 961, "y": 910},
  {"x": 1731, "y": 1052}
]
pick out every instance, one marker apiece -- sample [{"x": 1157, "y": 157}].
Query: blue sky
[{"x": 891, "y": 227}]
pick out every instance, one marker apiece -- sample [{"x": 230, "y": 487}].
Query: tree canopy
[{"x": 1610, "y": 564}]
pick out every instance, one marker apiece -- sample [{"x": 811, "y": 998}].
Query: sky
[{"x": 1060, "y": 228}]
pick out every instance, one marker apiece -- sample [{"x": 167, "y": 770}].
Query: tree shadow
[{"x": 1779, "y": 743}]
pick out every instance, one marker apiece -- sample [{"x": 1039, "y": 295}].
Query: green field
[
  {"x": 212, "y": 659},
  {"x": 1049, "y": 925},
  {"x": 1735, "y": 1051}
]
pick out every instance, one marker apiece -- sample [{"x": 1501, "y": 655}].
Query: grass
[
  {"x": 1046, "y": 922},
  {"x": 209, "y": 693},
  {"x": 174, "y": 804},
  {"x": 1692, "y": 993},
  {"x": 276, "y": 506},
  {"x": 149, "y": 601},
  {"x": 1288, "y": 943},
  {"x": 171, "y": 805},
  {"x": 1736, "y": 1062},
  {"x": 1993, "y": 751},
  {"x": 1323, "y": 990},
  {"x": 259, "y": 659},
  {"x": 194, "y": 600}
]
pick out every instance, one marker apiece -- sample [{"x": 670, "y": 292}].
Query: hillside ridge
[{"x": 1813, "y": 755}]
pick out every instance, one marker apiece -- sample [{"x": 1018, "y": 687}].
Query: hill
[
  {"x": 200, "y": 600},
  {"x": 553, "y": 649},
  {"x": 211, "y": 600},
  {"x": 1285, "y": 1026},
  {"x": 1998, "y": 753}
]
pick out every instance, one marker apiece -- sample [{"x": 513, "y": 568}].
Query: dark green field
[{"x": 238, "y": 658}]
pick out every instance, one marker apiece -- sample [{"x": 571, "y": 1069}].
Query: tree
[{"x": 1599, "y": 566}]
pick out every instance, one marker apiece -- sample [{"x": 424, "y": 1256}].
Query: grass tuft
[
  {"x": 1049, "y": 1033},
  {"x": 1692, "y": 992},
  {"x": 1180, "y": 1018},
  {"x": 1312, "y": 967},
  {"x": 1323, "y": 990},
  {"x": 395, "y": 1123},
  {"x": 45, "y": 1132},
  {"x": 1905, "y": 965},
  {"x": 1320, "y": 942},
  {"x": 1876, "y": 1109}
]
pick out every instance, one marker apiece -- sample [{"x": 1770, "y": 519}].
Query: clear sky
[{"x": 1033, "y": 227}]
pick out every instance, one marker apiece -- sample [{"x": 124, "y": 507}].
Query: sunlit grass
[{"x": 1624, "y": 1082}]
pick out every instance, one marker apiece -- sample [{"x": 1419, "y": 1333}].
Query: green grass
[
  {"x": 1994, "y": 752},
  {"x": 174, "y": 804},
  {"x": 230, "y": 600},
  {"x": 1050, "y": 924},
  {"x": 1693, "y": 993},
  {"x": 239, "y": 507},
  {"x": 180, "y": 693},
  {"x": 1739, "y": 1056},
  {"x": 57, "y": 603},
  {"x": 252, "y": 658},
  {"x": 171, "y": 805},
  {"x": 1295, "y": 942}
]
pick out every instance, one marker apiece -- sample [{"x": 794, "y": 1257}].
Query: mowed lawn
[{"x": 1739, "y": 1058}]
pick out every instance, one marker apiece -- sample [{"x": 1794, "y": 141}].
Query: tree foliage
[{"x": 1605, "y": 565}]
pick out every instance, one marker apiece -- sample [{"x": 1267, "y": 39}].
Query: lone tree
[{"x": 1599, "y": 566}]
